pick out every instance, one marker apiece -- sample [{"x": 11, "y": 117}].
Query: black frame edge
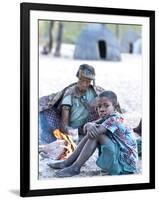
[
  {"x": 152, "y": 99},
  {"x": 87, "y": 9},
  {"x": 91, "y": 189},
  {"x": 25, "y": 100}
]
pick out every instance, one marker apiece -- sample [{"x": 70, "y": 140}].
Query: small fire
[{"x": 69, "y": 147}]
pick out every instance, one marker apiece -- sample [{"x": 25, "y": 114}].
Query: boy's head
[
  {"x": 85, "y": 74},
  {"x": 106, "y": 103},
  {"x": 86, "y": 71}
]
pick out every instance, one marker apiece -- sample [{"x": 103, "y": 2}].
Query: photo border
[{"x": 25, "y": 85}]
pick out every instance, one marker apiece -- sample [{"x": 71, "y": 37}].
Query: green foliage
[
  {"x": 72, "y": 31},
  {"x": 43, "y": 28},
  {"x": 120, "y": 29}
]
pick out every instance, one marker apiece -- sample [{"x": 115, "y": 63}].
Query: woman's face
[
  {"x": 83, "y": 84},
  {"x": 104, "y": 106}
]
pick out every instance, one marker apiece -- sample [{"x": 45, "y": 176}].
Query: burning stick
[{"x": 69, "y": 147}]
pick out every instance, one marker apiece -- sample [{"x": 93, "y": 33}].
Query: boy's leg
[
  {"x": 86, "y": 152},
  {"x": 71, "y": 158},
  {"x": 84, "y": 155},
  {"x": 108, "y": 159},
  {"x": 102, "y": 139}
]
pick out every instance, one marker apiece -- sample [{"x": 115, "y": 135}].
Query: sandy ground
[
  {"x": 124, "y": 78},
  {"x": 89, "y": 169}
]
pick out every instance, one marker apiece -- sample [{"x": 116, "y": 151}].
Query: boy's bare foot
[
  {"x": 68, "y": 172},
  {"x": 57, "y": 164}
]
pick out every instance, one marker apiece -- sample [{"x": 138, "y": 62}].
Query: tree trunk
[
  {"x": 47, "y": 48},
  {"x": 117, "y": 31},
  {"x": 59, "y": 40}
]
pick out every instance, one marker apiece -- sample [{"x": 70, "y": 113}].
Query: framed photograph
[{"x": 75, "y": 136}]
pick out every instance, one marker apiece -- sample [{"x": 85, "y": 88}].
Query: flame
[{"x": 69, "y": 147}]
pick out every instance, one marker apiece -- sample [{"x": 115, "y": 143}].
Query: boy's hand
[
  {"x": 93, "y": 131},
  {"x": 73, "y": 133},
  {"x": 86, "y": 127}
]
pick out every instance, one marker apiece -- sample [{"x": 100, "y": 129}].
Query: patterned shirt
[{"x": 124, "y": 136}]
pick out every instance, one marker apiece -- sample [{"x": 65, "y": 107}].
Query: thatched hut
[
  {"x": 96, "y": 42},
  {"x": 128, "y": 40},
  {"x": 137, "y": 47}
]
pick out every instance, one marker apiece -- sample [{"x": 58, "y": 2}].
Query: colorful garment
[{"x": 124, "y": 140}]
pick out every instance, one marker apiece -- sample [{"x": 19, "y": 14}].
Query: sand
[{"x": 124, "y": 78}]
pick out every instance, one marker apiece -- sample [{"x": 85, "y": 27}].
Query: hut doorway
[
  {"x": 131, "y": 48},
  {"x": 102, "y": 47}
]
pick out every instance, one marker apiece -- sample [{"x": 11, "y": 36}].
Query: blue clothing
[
  {"x": 49, "y": 120},
  {"x": 78, "y": 112},
  {"x": 108, "y": 159},
  {"x": 119, "y": 155}
]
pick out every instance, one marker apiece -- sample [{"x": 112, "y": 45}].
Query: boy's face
[
  {"x": 83, "y": 84},
  {"x": 104, "y": 106}
]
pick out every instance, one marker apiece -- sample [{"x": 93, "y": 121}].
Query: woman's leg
[
  {"x": 71, "y": 158},
  {"x": 84, "y": 155}
]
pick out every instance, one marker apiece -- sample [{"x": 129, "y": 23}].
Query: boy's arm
[
  {"x": 65, "y": 117},
  {"x": 66, "y": 105},
  {"x": 65, "y": 127}
]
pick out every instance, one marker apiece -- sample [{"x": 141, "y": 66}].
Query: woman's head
[
  {"x": 85, "y": 74},
  {"x": 107, "y": 103}
]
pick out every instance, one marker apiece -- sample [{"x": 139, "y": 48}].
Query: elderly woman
[{"x": 71, "y": 108}]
